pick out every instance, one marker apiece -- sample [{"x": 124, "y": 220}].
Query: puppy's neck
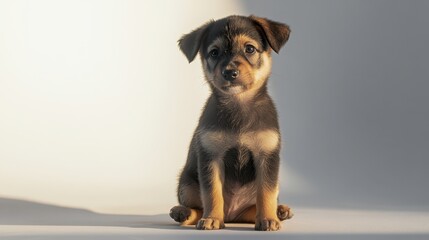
[
  {"x": 244, "y": 100},
  {"x": 230, "y": 112}
]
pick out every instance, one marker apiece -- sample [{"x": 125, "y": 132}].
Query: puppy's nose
[{"x": 230, "y": 74}]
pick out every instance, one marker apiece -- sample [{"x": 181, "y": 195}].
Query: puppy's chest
[{"x": 217, "y": 143}]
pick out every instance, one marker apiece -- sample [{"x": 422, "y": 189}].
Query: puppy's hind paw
[
  {"x": 180, "y": 213},
  {"x": 284, "y": 212}
]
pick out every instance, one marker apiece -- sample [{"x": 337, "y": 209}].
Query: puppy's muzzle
[{"x": 230, "y": 74}]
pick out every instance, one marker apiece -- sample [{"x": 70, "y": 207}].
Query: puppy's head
[{"x": 235, "y": 51}]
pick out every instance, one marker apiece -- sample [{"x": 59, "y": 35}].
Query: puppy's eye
[
  {"x": 214, "y": 53},
  {"x": 250, "y": 49}
]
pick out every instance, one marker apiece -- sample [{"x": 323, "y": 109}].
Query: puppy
[{"x": 231, "y": 173}]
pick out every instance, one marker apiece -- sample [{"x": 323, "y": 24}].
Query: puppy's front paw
[
  {"x": 210, "y": 224},
  {"x": 180, "y": 213},
  {"x": 267, "y": 225}
]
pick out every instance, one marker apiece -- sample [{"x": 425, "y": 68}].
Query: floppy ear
[
  {"x": 190, "y": 43},
  {"x": 276, "y": 33}
]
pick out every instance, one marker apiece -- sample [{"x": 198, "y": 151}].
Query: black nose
[{"x": 230, "y": 74}]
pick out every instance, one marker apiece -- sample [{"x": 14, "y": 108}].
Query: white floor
[{"x": 29, "y": 220}]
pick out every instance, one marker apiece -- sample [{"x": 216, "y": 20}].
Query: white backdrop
[{"x": 97, "y": 103}]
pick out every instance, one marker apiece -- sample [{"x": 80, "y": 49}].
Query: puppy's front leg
[
  {"x": 267, "y": 170},
  {"x": 211, "y": 176}
]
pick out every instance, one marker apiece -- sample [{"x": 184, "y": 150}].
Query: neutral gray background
[{"x": 352, "y": 89}]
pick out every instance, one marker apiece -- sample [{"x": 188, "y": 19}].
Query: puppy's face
[
  {"x": 235, "y": 51},
  {"x": 234, "y": 56}
]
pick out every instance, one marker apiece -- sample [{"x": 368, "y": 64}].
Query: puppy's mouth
[{"x": 233, "y": 88}]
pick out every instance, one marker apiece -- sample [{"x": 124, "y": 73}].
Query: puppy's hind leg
[
  {"x": 190, "y": 209},
  {"x": 249, "y": 215},
  {"x": 185, "y": 215}
]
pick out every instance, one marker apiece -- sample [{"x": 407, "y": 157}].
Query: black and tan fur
[{"x": 231, "y": 174}]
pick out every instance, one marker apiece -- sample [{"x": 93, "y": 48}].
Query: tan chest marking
[
  {"x": 264, "y": 141},
  {"x": 218, "y": 142}
]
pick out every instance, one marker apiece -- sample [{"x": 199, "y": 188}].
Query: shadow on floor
[{"x": 23, "y": 212}]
